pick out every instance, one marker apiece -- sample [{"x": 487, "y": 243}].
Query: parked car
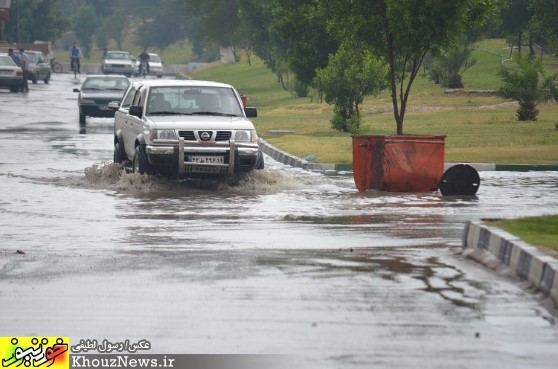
[
  {"x": 96, "y": 92},
  {"x": 155, "y": 66},
  {"x": 38, "y": 67},
  {"x": 185, "y": 128},
  {"x": 118, "y": 62},
  {"x": 11, "y": 76}
]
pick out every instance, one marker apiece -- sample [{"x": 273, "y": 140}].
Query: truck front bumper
[{"x": 233, "y": 156}]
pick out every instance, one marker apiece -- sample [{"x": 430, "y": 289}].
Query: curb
[
  {"x": 526, "y": 261},
  {"x": 288, "y": 159}
]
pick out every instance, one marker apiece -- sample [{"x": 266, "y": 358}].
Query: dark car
[{"x": 96, "y": 92}]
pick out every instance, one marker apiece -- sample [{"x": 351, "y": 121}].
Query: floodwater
[{"x": 280, "y": 262}]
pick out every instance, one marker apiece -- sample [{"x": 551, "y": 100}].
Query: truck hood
[{"x": 193, "y": 122}]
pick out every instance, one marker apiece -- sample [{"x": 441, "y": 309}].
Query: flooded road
[{"x": 283, "y": 261}]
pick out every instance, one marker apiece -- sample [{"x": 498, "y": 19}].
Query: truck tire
[
  {"x": 260, "y": 161},
  {"x": 119, "y": 155},
  {"x": 141, "y": 164}
]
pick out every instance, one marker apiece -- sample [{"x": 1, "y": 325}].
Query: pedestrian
[
  {"x": 75, "y": 55},
  {"x": 24, "y": 68},
  {"x": 105, "y": 53}
]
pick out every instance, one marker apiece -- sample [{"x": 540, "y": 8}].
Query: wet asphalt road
[{"x": 284, "y": 261}]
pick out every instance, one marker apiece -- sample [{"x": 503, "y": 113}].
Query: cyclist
[
  {"x": 75, "y": 55},
  {"x": 144, "y": 60}
]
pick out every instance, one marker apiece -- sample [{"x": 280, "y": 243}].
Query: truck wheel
[
  {"x": 81, "y": 119},
  {"x": 260, "y": 161},
  {"x": 47, "y": 79},
  {"x": 140, "y": 164},
  {"x": 119, "y": 155}
]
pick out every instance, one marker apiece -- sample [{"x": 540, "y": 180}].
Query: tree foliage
[
  {"x": 403, "y": 32},
  {"x": 86, "y": 25},
  {"x": 350, "y": 75},
  {"x": 450, "y": 65},
  {"x": 528, "y": 85},
  {"x": 218, "y": 21},
  {"x": 302, "y": 30},
  {"x": 38, "y": 21},
  {"x": 164, "y": 27}
]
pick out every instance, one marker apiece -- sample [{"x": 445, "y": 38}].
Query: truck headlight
[
  {"x": 163, "y": 134},
  {"x": 248, "y": 135}
]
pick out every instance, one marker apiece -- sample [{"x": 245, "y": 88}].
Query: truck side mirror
[
  {"x": 136, "y": 110},
  {"x": 251, "y": 112}
]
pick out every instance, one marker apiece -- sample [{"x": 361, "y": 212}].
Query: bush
[{"x": 299, "y": 88}]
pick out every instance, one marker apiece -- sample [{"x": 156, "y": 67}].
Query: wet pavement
[{"x": 282, "y": 261}]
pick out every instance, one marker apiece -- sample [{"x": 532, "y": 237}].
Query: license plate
[{"x": 197, "y": 159}]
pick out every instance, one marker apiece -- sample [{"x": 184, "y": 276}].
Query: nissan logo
[{"x": 205, "y": 135}]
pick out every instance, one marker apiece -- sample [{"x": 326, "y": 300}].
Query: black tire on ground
[
  {"x": 57, "y": 67},
  {"x": 81, "y": 119},
  {"x": 119, "y": 155},
  {"x": 260, "y": 161},
  {"x": 47, "y": 79},
  {"x": 34, "y": 80},
  {"x": 140, "y": 164},
  {"x": 460, "y": 179},
  {"x": 14, "y": 89}
]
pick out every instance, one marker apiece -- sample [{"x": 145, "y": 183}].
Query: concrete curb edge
[{"x": 526, "y": 261}]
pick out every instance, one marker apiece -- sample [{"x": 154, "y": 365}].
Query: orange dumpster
[{"x": 398, "y": 163}]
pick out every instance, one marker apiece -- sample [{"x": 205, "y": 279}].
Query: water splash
[{"x": 112, "y": 176}]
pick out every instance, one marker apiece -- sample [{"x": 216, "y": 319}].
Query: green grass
[
  {"x": 479, "y": 128},
  {"x": 537, "y": 231}
]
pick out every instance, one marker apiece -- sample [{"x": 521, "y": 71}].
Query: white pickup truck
[{"x": 185, "y": 128}]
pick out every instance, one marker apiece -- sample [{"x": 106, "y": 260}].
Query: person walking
[
  {"x": 75, "y": 56},
  {"x": 24, "y": 64}
]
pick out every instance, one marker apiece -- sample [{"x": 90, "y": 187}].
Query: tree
[
  {"x": 165, "y": 26},
  {"x": 402, "y": 32},
  {"x": 449, "y": 66},
  {"x": 86, "y": 25},
  {"x": 38, "y": 21},
  {"x": 257, "y": 16},
  {"x": 350, "y": 75},
  {"x": 544, "y": 22},
  {"x": 528, "y": 85},
  {"x": 515, "y": 16},
  {"x": 115, "y": 26},
  {"x": 303, "y": 31},
  {"x": 218, "y": 20}
]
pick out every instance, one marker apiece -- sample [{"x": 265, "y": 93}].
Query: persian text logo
[{"x": 49, "y": 352}]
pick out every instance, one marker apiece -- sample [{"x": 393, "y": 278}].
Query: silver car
[
  {"x": 38, "y": 68},
  {"x": 185, "y": 128},
  {"x": 118, "y": 62}
]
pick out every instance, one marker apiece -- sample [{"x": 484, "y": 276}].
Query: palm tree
[{"x": 527, "y": 85}]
